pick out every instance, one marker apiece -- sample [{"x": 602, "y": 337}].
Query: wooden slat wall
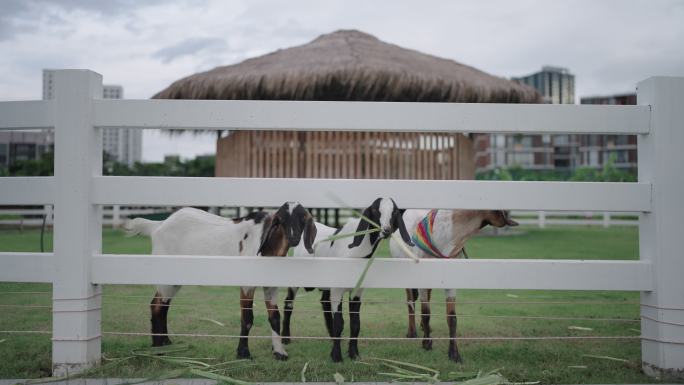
[{"x": 330, "y": 154}]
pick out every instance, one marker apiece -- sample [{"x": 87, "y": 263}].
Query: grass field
[{"x": 126, "y": 309}]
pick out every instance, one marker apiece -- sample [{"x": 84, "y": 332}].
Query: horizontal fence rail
[
  {"x": 27, "y": 267},
  {"x": 371, "y": 116},
  {"x": 179, "y": 191},
  {"x": 27, "y": 190},
  {"x": 33, "y": 114},
  {"x": 384, "y": 273}
]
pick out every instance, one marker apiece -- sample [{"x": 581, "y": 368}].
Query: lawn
[{"x": 481, "y": 313}]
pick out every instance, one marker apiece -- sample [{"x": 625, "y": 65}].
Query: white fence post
[
  {"x": 606, "y": 219},
  {"x": 116, "y": 216},
  {"x": 660, "y": 162},
  {"x": 542, "y": 219},
  {"x": 76, "y": 302}
]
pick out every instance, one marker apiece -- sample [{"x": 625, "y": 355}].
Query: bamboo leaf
[
  {"x": 489, "y": 379},
  {"x": 580, "y": 328},
  {"x": 339, "y": 379},
  {"x": 304, "y": 371},
  {"x": 218, "y": 377},
  {"x": 416, "y": 366},
  {"x": 605, "y": 358},
  {"x": 405, "y": 248},
  {"x": 363, "y": 275},
  {"x": 212, "y": 321},
  {"x": 347, "y": 235}
]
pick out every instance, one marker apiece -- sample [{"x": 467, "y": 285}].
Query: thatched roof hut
[{"x": 348, "y": 65}]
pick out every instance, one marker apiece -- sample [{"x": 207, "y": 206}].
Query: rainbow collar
[{"x": 422, "y": 237}]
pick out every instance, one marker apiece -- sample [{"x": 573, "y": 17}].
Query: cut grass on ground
[{"x": 383, "y": 315}]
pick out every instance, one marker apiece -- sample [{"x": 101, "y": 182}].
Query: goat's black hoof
[
  {"x": 285, "y": 340},
  {"x": 354, "y": 354},
  {"x": 280, "y": 356},
  {"x": 243, "y": 354},
  {"x": 336, "y": 356},
  {"x": 455, "y": 357},
  {"x": 427, "y": 344},
  {"x": 161, "y": 341},
  {"x": 411, "y": 334}
]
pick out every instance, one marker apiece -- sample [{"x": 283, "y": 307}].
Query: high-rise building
[
  {"x": 534, "y": 152},
  {"x": 596, "y": 150},
  {"x": 121, "y": 145},
  {"x": 556, "y": 84}
]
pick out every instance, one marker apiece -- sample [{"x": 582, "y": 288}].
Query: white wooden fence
[
  {"x": 111, "y": 215},
  {"x": 575, "y": 218},
  {"x": 77, "y": 267}
]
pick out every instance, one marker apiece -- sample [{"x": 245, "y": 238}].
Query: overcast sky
[{"x": 146, "y": 45}]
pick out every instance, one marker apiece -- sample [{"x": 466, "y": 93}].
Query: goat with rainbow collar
[{"x": 442, "y": 234}]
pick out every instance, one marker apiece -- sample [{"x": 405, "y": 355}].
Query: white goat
[
  {"x": 385, "y": 213},
  {"x": 442, "y": 234},
  {"x": 195, "y": 232}
]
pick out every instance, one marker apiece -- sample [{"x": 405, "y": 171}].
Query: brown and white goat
[
  {"x": 450, "y": 231},
  {"x": 195, "y": 232}
]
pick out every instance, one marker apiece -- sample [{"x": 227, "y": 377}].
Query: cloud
[
  {"x": 191, "y": 46},
  {"x": 10, "y": 10},
  {"x": 146, "y": 45}
]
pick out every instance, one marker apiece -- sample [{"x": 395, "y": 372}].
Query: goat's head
[
  {"x": 385, "y": 213},
  {"x": 497, "y": 218},
  {"x": 290, "y": 223}
]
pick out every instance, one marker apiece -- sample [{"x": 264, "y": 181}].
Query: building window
[
  {"x": 593, "y": 158},
  {"x": 3, "y": 154},
  {"x": 22, "y": 151},
  {"x": 561, "y": 140}
]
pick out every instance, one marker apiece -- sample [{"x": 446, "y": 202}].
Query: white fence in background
[
  {"x": 115, "y": 215},
  {"x": 111, "y": 215},
  {"x": 77, "y": 266},
  {"x": 542, "y": 219}
]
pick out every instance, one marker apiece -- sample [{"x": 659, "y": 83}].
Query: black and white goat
[
  {"x": 450, "y": 231},
  {"x": 387, "y": 215},
  {"x": 195, "y": 232}
]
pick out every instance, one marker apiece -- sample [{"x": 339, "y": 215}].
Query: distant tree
[
  {"x": 609, "y": 173},
  {"x": 43, "y": 166},
  {"x": 586, "y": 174},
  {"x": 173, "y": 166}
]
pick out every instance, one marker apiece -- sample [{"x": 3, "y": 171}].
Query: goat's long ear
[
  {"x": 507, "y": 218},
  {"x": 363, "y": 226},
  {"x": 399, "y": 218},
  {"x": 272, "y": 227},
  {"x": 309, "y": 233}
]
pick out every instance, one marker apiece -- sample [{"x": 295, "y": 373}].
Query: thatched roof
[{"x": 350, "y": 65}]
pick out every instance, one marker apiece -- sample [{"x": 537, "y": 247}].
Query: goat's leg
[
  {"x": 271, "y": 299},
  {"x": 411, "y": 296},
  {"x": 289, "y": 307},
  {"x": 354, "y": 324},
  {"x": 337, "y": 323},
  {"x": 425, "y": 295},
  {"x": 451, "y": 323},
  {"x": 327, "y": 311},
  {"x": 159, "y": 309},
  {"x": 246, "y": 320}
]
